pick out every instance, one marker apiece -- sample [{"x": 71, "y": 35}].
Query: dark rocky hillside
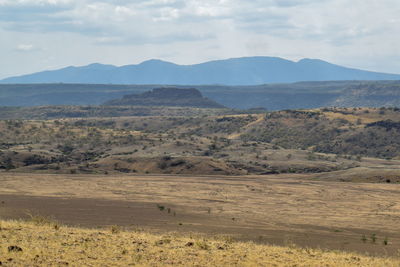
[
  {"x": 170, "y": 97},
  {"x": 366, "y": 132},
  {"x": 372, "y": 94},
  {"x": 302, "y": 95}
]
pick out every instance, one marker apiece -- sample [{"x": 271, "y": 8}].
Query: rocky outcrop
[{"x": 174, "y": 97}]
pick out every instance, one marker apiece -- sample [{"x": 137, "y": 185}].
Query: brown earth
[{"x": 277, "y": 209}]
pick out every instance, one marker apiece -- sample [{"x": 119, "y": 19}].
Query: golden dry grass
[
  {"x": 260, "y": 118},
  {"x": 277, "y": 208},
  {"x": 371, "y": 116},
  {"x": 43, "y": 244}
]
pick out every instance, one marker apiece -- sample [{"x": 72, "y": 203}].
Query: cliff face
[
  {"x": 170, "y": 93},
  {"x": 174, "y": 97}
]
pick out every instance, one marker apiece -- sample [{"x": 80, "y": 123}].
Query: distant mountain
[
  {"x": 236, "y": 71},
  {"x": 172, "y": 97}
]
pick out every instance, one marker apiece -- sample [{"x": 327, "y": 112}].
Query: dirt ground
[{"x": 277, "y": 209}]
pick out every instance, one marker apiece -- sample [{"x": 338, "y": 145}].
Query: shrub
[
  {"x": 115, "y": 229},
  {"x": 202, "y": 244}
]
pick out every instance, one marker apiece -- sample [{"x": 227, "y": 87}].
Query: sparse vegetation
[
  {"x": 298, "y": 147},
  {"x": 386, "y": 241},
  {"x": 307, "y": 142},
  {"x": 373, "y": 238},
  {"x": 364, "y": 239},
  {"x": 26, "y": 244}
]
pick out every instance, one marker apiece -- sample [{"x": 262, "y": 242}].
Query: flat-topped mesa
[
  {"x": 170, "y": 93},
  {"x": 175, "y": 97}
]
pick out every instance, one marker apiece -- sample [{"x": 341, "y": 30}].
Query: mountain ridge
[
  {"x": 298, "y": 95},
  {"x": 233, "y": 71}
]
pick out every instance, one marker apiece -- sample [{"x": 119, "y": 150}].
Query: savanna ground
[
  {"x": 315, "y": 141},
  {"x": 42, "y": 243},
  {"x": 321, "y": 179},
  {"x": 276, "y": 209}
]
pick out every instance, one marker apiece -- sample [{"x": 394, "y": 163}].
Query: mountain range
[{"x": 236, "y": 71}]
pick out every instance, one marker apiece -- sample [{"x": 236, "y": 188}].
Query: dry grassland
[
  {"x": 42, "y": 243},
  {"x": 275, "y": 209}
]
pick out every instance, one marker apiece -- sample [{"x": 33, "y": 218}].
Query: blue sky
[{"x": 38, "y": 35}]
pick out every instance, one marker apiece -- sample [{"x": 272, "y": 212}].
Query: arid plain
[
  {"x": 313, "y": 186},
  {"x": 276, "y": 209}
]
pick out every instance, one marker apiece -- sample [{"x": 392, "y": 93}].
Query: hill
[
  {"x": 270, "y": 96},
  {"x": 204, "y": 142},
  {"x": 173, "y": 97},
  {"x": 236, "y": 71}
]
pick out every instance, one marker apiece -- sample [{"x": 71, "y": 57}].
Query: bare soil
[{"x": 277, "y": 209}]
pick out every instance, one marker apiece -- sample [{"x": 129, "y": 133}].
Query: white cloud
[
  {"x": 364, "y": 33},
  {"x": 34, "y": 2},
  {"x": 25, "y": 47}
]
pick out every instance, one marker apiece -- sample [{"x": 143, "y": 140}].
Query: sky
[{"x": 38, "y": 35}]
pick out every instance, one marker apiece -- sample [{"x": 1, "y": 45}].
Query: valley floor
[{"x": 275, "y": 209}]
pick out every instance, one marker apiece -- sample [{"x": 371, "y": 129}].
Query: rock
[
  {"x": 14, "y": 249},
  {"x": 175, "y": 97}
]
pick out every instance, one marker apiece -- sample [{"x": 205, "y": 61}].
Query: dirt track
[{"x": 276, "y": 209}]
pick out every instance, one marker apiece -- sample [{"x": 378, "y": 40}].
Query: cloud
[
  {"x": 27, "y": 7},
  {"x": 25, "y": 47},
  {"x": 125, "y": 20},
  {"x": 149, "y": 39},
  {"x": 364, "y": 32}
]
